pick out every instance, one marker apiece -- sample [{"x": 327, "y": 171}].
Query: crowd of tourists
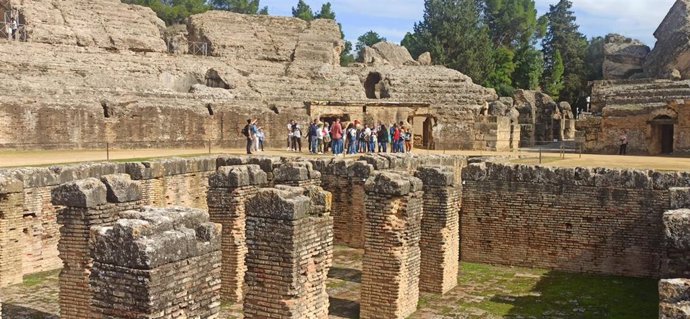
[{"x": 322, "y": 137}]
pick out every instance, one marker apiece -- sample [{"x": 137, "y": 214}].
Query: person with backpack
[
  {"x": 373, "y": 138},
  {"x": 312, "y": 136},
  {"x": 352, "y": 139},
  {"x": 246, "y": 131},
  {"x": 383, "y": 138}
]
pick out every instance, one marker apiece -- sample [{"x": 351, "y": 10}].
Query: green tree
[
  {"x": 346, "y": 56},
  {"x": 239, "y": 6},
  {"x": 264, "y": 11},
  {"x": 368, "y": 39},
  {"x": 455, "y": 34},
  {"x": 511, "y": 22},
  {"x": 529, "y": 66},
  {"x": 594, "y": 59},
  {"x": 175, "y": 11},
  {"x": 554, "y": 79},
  {"x": 326, "y": 12},
  {"x": 303, "y": 11},
  {"x": 565, "y": 44},
  {"x": 501, "y": 77}
]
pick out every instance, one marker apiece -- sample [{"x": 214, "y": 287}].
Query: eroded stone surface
[{"x": 83, "y": 193}]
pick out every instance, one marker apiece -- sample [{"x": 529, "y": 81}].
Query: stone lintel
[
  {"x": 283, "y": 203},
  {"x": 85, "y": 193},
  {"x": 295, "y": 172},
  {"x": 10, "y": 185},
  {"x": 390, "y": 183},
  {"x": 238, "y": 176},
  {"x": 360, "y": 170},
  {"x": 436, "y": 176}
]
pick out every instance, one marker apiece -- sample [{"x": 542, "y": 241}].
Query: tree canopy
[
  {"x": 303, "y": 11},
  {"x": 367, "y": 39}
]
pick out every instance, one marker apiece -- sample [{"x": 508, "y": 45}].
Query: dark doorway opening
[
  {"x": 373, "y": 87},
  {"x": 662, "y": 138},
  {"x": 423, "y": 129},
  {"x": 330, "y": 119},
  {"x": 666, "y": 139}
]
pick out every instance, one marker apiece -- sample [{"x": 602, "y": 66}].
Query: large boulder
[
  {"x": 108, "y": 24},
  {"x": 672, "y": 49},
  {"x": 623, "y": 57},
  {"x": 387, "y": 53}
]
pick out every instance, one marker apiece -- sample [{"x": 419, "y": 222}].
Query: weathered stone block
[
  {"x": 9, "y": 185},
  {"x": 674, "y": 298},
  {"x": 389, "y": 183},
  {"x": 84, "y": 193},
  {"x": 121, "y": 189},
  {"x": 680, "y": 197},
  {"x": 238, "y": 176},
  {"x": 435, "y": 176}
]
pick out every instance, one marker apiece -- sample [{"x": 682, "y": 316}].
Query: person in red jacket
[{"x": 337, "y": 138}]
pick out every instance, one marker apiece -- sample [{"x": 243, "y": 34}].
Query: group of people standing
[
  {"x": 355, "y": 138},
  {"x": 255, "y": 136}
]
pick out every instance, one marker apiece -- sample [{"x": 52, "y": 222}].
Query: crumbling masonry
[
  {"x": 290, "y": 250},
  {"x": 230, "y": 188},
  {"x": 390, "y": 267},
  {"x": 11, "y": 201},
  {"x": 157, "y": 263},
  {"x": 87, "y": 203}
]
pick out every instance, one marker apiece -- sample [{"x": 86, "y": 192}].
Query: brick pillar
[
  {"x": 357, "y": 173},
  {"x": 87, "y": 203},
  {"x": 157, "y": 263},
  {"x": 290, "y": 241},
  {"x": 150, "y": 177},
  {"x": 440, "y": 242},
  {"x": 390, "y": 267},
  {"x": 336, "y": 182},
  {"x": 11, "y": 242},
  {"x": 297, "y": 174},
  {"x": 229, "y": 189}
]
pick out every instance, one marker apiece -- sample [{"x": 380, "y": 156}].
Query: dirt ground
[{"x": 44, "y": 158}]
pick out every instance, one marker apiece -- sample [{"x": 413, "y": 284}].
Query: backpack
[{"x": 245, "y": 130}]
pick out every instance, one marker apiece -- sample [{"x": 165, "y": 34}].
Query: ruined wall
[{"x": 581, "y": 220}]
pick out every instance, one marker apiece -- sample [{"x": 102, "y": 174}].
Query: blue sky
[{"x": 393, "y": 18}]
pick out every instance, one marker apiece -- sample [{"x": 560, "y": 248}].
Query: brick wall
[{"x": 580, "y": 220}]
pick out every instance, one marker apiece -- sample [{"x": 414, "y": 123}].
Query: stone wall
[
  {"x": 580, "y": 220},
  {"x": 155, "y": 263}
]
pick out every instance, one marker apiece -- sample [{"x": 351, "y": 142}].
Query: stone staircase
[{"x": 638, "y": 92}]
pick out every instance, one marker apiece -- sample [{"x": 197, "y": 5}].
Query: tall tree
[
  {"x": 303, "y": 11},
  {"x": 563, "y": 39},
  {"x": 173, "y": 12},
  {"x": 501, "y": 77},
  {"x": 326, "y": 12},
  {"x": 594, "y": 59},
  {"x": 239, "y": 6},
  {"x": 554, "y": 79},
  {"x": 511, "y": 22},
  {"x": 455, "y": 34},
  {"x": 529, "y": 66},
  {"x": 368, "y": 39}
]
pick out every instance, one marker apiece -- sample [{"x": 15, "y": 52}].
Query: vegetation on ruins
[{"x": 176, "y": 11}]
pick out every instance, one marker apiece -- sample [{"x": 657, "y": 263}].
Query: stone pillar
[
  {"x": 675, "y": 260},
  {"x": 290, "y": 250},
  {"x": 674, "y": 298},
  {"x": 297, "y": 174},
  {"x": 337, "y": 183},
  {"x": 229, "y": 189},
  {"x": 11, "y": 242},
  {"x": 440, "y": 242},
  {"x": 150, "y": 177},
  {"x": 156, "y": 263},
  {"x": 390, "y": 267},
  {"x": 87, "y": 203},
  {"x": 357, "y": 173}
]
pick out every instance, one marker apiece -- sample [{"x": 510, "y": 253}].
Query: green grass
[
  {"x": 520, "y": 292},
  {"x": 36, "y": 279}
]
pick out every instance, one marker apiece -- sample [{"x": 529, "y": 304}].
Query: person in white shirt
[{"x": 289, "y": 139}]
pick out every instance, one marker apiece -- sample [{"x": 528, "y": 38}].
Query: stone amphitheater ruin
[{"x": 177, "y": 238}]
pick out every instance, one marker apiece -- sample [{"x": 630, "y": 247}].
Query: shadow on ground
[
  {"x": 342, "y": 308},
  {"x": 347, "y": 274},
  {"x": 12, "y": 311}
]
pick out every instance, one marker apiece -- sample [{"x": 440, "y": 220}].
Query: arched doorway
[{"x": 662, "y": 134}]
